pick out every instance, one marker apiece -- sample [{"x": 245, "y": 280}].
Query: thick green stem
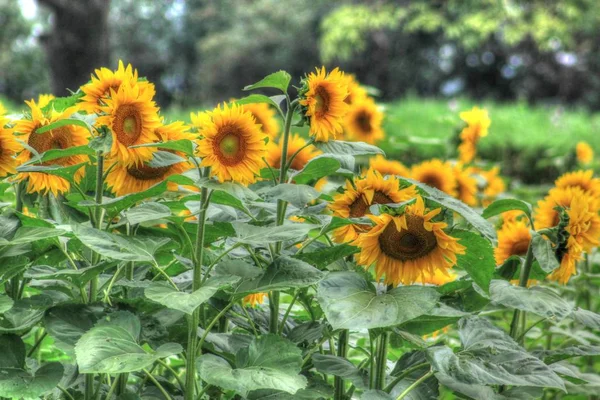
[
  {"x": 122, "y": 383},
  {"x": 414, "y": 385},
  {"x": 342, "y": 351},
  {"x": 523, "y": 279},
  {"x": 274, "y": 312},
  {"x": 380, "y": 370}
]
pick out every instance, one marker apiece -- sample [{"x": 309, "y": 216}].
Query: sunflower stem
[
  {"x": 342, "y": 351},
  {"x": 380, "y": 370},
  {"x": 523, "y": 278},
  {"x": 414, "y": 385}
]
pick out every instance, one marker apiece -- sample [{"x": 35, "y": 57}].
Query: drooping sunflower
[
  {"x": 478, "y": 123},
  {"x": 254, "y": 299},
  {"x": 388, "y": 167},
  {"x": 9, "y": 148},
  {"x": 295, "y": 143},
  {"x": 132, "y": 117},
  {"x": 582, "y": 179},
  {"x": 513, "y": 240},
  {"x": 584, "y": 223},
  {"x": 568, "y": 266},
  {"x": 466, "y": 184},
  {"x": 360, "y": 195},
  {"x": 322, "y": 100},
  {"x": 45, "y": 99},
  {"x": 266, "y": 117},
  {"x": 63, "y": 137},
  {"x": 356, "y": 92},
  {"x": 232, "y": 143},
  {"x": 437, "y": 174},
  {"x": 545, "y": 214},
  {"x": 105, "y": 80},
  {"x": 363, "y": 122},
  {"x": 409, "y": 246},
  {"x": 584, "y": 153}
]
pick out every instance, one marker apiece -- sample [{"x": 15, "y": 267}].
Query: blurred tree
[{"x": 77, "y": 43}]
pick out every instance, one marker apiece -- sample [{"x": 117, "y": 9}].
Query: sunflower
[
  {"x": 494, "y": 184},
  {"x": 363, "y": 122},
  {"x": 356, "y": 92},
  {"x": 466, "y": 184},
  {"x": 266, "y": 117},
  {"x": 478, "y": 120},
  {"x": 408, "y": 247},
  {"x": 44, "y": 100},
  {"x": 439, "y": 278},
  {"x": 232, "y": 143},
  {"x": 545, "y": 214},
  {"x": 584, "y": 223},
  {"x": 254, "y": 299},
  {"x": 388, "y": 167},
  {"x": 9, "y": 148},
  {"x": 360, "y": 195},
  {"x": 437, "y": 174},
  {"x": 568, "y": 264},
  {"x": 295, "y": 143},
  {"x": 60, "y": 138},
  {"x": 322, "y": 98},
  {"x": 467, "y": 150},
  {"x": 582, "y": 179},
  {"x": 584, "y": 152},
  {"x": 513, "y": 240},
  {"x": 99, "y": 89},
  {"x": 132, "y": 117}
]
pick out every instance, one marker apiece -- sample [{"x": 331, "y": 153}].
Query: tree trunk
[{"x": 78, "y": 42}]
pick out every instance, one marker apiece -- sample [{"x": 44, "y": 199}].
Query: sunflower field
[{"x": 268, "y": 249}]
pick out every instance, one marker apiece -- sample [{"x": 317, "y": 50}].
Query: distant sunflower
[
  {"x": 584, "y": 223},
  {"x": 513, "y": 240},
  {"x": 254, "y": 299},
  {"x": 582, "y": 179},
  {"x": 437, "y": 174},
  {"x": 60, "y": 138},
  {"x": 266, "y": 117},
  {"x": 45, "y": 99},
  {"x": 232, "y": 143},
  {"x": 408, "y": 247},
  {"x": 295, "y": 143},
  {"x": 322, "y": 98},
  {"x": 388, "y": 167},
  {"x": 360, "y": 195},
  {"x": 467, "y": 150},
  {"x": 356, "y": 92},
  {"x": 363, "y": 122},
  {"x": 177, "y": 130},
  {"x": 466, "y": 185},
  {"x": 584, "y": 152},
  {"x": 478, "y": 119},
  {"x": 9, "y": 148},
  {"x": 545, "y": 214},
  {"x": 494, "y": 184},
  {"x": 105, "y": 80},
  {"x": 132, "y": 117}
]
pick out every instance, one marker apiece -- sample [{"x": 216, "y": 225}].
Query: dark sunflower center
[
  {"x": 322, "y": 101},
  {"x": 59, "y": 138},
  {"x": 410, "y": 244},
  {"x": 230, "y": 145},
  {"x": 147, "y": 173},
  {"x": 128, "y": 124},
  {"x": 432, "y": 180},
  {"x": 359, "y": 207},
  {"x": 363, "y": 120},
  {"x": 520, "y": 248}
]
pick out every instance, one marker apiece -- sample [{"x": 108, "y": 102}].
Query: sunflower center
[
  {"x": 127, "y": 125},
  {"x": 59, "y": 138},
  {"x": 147, "y": 173},
  {"x": 230, "y": 146},
  {"x": 360, "y": 206},
  {"x": 407, "y": 244},
  {"x": 520, "y": 248},
  {"x": 364, "y": 121},
  {"x": 433, "y": 181},
  {"x": 322, "y": 101}
]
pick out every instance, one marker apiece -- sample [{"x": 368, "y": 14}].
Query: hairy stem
[{"x": 342, "y": 351}]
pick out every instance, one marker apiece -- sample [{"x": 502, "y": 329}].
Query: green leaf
[
  {"x": 478, "y": 260},
  {"x": 146, "y": 212},
  {"x": 184, "y": 146},
  {"x": 490, "y": 357},
  {"x": 34, "y": 234},
  {"x": 504, "y": 205},
  {"x": 284, "y": 273},
  {"x": 339, "y": 366},
  {"x": 16, "y": 383},
  {"x": 6, "y": 303},
  {"x": 544, "y": 253},
  {"x": 438, "y": 318},
  {"x": 67, "y": 173},
  {"x": 166, "y": 294},
  {"x": 586, "y": 317},
  {"x": 119, "y": 247},
  {"x": 472, "y": 217},
  {"x": 373, "y": 394},
  {"x": 55, "y": 154},
  {"x": 297, "y": 195},
  {"x": 68, "y": 322},
  {"x": 235, "y": 189},
  {"x": 428, "y": 389},
  {"x": 537, "y": 300},
  {"x": 340, "y": 147},
  {"x": 269, "y": 362},
  {"x": 162, "y": 159},
  {"x": 323, "y": 257},
  {"x": 350, "y": 302},
  {"x": 261, "y": 235},
  {"x": 227, "y": 199},
  {"x": 278, "y": 80},
  {"x": 259, "y": 98},
  {"x": 24, "y": 314},
  {"x": 12, "y": 349},
  {"x": 112, "y": 349},
  {"x": 64, "y": 122},
  {"x": 317, "y": 168},
  {"x": 552, "y": 356}
]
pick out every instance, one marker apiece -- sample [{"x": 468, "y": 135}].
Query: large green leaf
[
  {"x": 184, "y": 146},
  {"x": 17, "y": 383},
  {"x": 12, "y": 349},
  {"x": 350, "y": 302},
  {"x": 259, "y": 98},
  {"x": 586, "y": 317},
  {"x": 6, "y": 303},
  {"x": 55, "y": 154},
  {"x": 32, "y": 234},
  {"x": 563, "y": 353},
  {"x": 24, "y": 314},
  {"x": 145, "y": 212},
  {"x": 278, "y": 80},
  {"x": 298, "y": 195},
  {"x": 348, "y": 148},
  {"x": 269, "y": 362},
  {"x": 538, "y": 300},
  {"x": 503, "y": 205},
  {"x": 68, "y": 322},
  {"x": 111, "y": 349},
  {"x": 478, "y": 259},
  {"x": 261, "y": 235},
  {"x": 166, "y": 294},
  {"x": 339, "y": 366},
  {"x": 323, "y": 257},
  {"x": 63, "y": 122},
  {"x": 490, "y": 357},
  {"x": 119, "y": 247},
  {"x": 544, "y": 253},
  {"x": 317, "y": 168}
]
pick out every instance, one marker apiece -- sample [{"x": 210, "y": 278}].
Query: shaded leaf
[{"x": 538, "y": 300}]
